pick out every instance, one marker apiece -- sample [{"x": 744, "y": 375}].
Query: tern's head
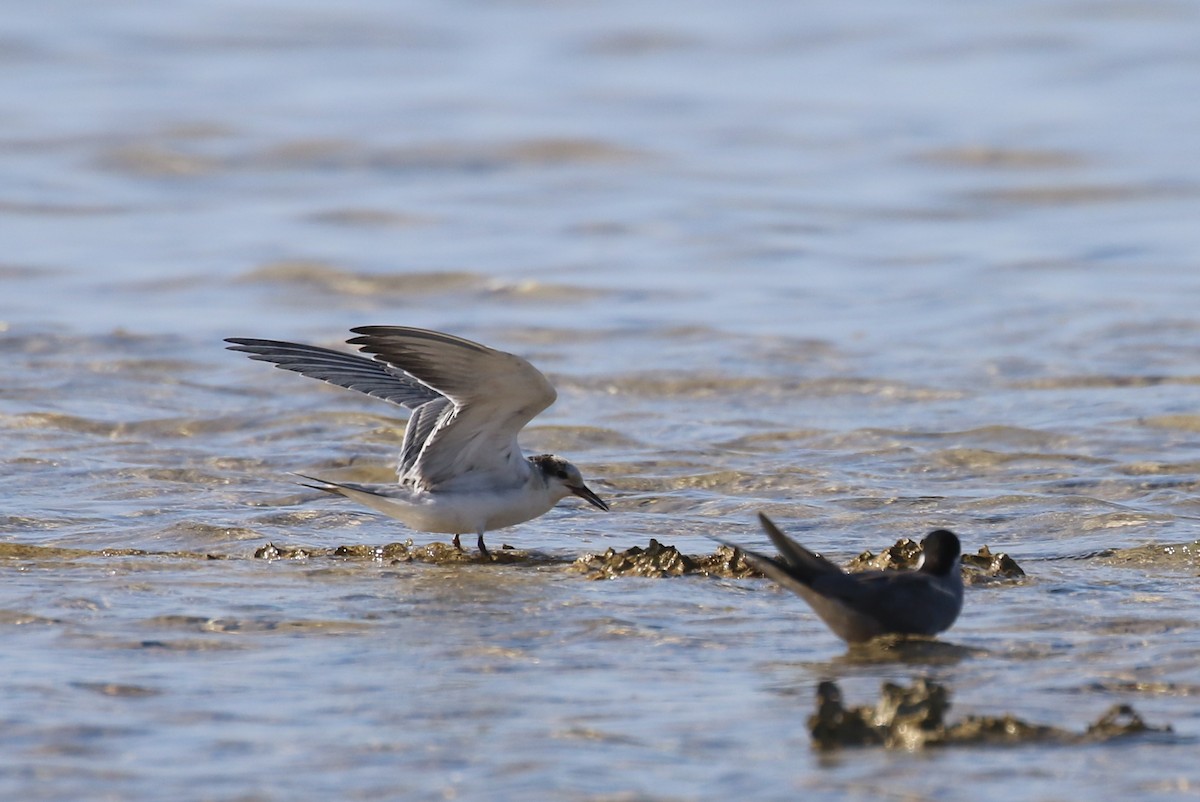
[
  {"x": 940, "y": 552},
  {"x": 559, "y": 473}
]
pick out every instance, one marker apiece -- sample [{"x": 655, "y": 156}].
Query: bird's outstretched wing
[
  {"x": 364, "y": 374},
  {"x": 352, "y": 371},
  {"x": 491, "y": 395}
]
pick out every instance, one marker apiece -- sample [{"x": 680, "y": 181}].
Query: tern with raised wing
[
  {"x": 862, "y": 606},
  {"x": 461, "y": 470}
]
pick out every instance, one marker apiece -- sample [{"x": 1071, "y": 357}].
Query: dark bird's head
[
  {"x": 940, "y": 553},
  {"x": 558, "y": 473}
]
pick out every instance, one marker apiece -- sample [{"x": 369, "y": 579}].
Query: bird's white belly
[{"x": 459, "y": 512}]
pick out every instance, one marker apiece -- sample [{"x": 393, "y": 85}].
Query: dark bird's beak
[{"x": 591, "y": 498}]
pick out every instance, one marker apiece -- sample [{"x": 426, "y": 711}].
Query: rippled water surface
[{"x": 871, "y": 269}]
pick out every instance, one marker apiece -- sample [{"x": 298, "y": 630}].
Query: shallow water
[{"x": 871, "y": 272}]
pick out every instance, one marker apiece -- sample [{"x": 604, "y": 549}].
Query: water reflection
[{"x": 908, "y": 651}]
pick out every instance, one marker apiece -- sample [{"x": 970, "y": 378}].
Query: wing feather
[
  {"x": 805, "y": 564},
  {"x": 493, "y": 393},
  {"x": 424, "y": 422},
  {"x": 352, "y": 371}
]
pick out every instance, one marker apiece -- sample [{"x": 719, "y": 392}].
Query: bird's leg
[
  {"x": 457, "y": 544},
  {"x": 483, "y": 552}
]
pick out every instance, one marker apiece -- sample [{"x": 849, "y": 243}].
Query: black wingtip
[
  {"x": 759, "y": 561},
  {"x": 246, "y": 344},
  {"x": 775, "y": 533}
]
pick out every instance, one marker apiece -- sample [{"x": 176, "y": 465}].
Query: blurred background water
[{"x": 872, "y": 269}]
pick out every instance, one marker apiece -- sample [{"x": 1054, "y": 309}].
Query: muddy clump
[
  {"x": 900, "y": 556},
  {"x": 657, "y": 561},
  {"x": 1164, "y": 556},
  {"x": 406, "y": 552},
  {"x": 978, "y": 568},
  {"x": 914, "y": 718},
  {"x": 654, "y": 560},
  {"x": 984, "y": 566}
]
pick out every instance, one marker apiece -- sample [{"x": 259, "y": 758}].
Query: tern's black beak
[{"x": 587, "y": 495}]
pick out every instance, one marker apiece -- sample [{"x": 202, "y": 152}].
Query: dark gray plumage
[{"x": 862, "y": 606}]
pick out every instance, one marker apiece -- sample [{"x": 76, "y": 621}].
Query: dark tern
[{"x": 862, "y": 606}]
